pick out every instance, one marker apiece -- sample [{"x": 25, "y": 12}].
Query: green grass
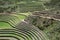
[
  {"x": 21, "y": 17},
  {"x": 4, "y": 25},
  {"x": 12, "y": 35}
]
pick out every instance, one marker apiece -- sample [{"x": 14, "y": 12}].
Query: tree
[{"x": 8, "y": 5}]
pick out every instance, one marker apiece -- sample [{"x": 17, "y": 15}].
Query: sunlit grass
[
  {"x": 4, "y": 25},
  {"x": 19, "y": 18}
]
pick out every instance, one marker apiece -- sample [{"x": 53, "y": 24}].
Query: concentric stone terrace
[{"x": 21, "y": 31}]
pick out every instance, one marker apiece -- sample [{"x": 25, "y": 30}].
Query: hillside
[
  {"x": 29, "y": 19},
  {"x": 46, "y": 23}
]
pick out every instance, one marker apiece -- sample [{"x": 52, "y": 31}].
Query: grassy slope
[{"x": 6, "y": 25}]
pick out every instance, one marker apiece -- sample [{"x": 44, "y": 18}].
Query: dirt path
[{"x": 47, "y": 15}]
